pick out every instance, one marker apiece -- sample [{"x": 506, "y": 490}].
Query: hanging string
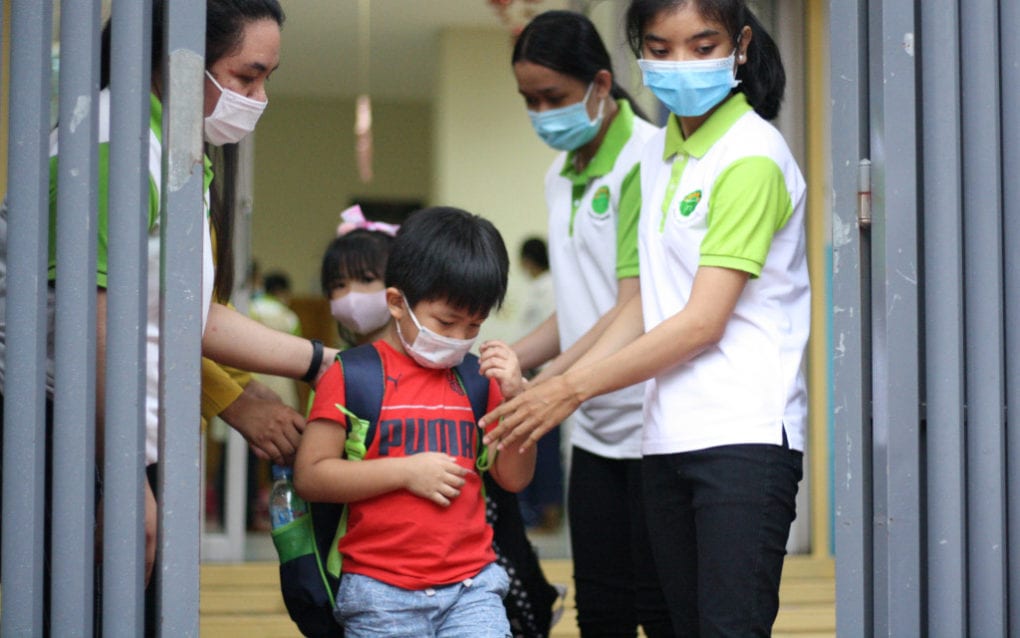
[{"x": 363, "y": 104}]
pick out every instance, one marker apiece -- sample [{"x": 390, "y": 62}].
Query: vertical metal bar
[
  {"x": 851, "y": 416},
  {"x": 24, "y": 429},
  {"x": 123, "y": 529},
  {"x": 983, "y": 293},
  {"x": 896, "y": 323},
  {"x": 1010, "y": 61},
  {"x": 180, "y": 337},
  {"x": 74, "y": 406},
  {"x": 943, "y": 303}
]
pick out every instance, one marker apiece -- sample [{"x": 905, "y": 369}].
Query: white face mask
[
  {"x": 431, "y": 350},
  {"x": 233, "y": 118},
  {"x": 361, "y": 312}
]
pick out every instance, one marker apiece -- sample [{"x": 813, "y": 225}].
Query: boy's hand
[
  {"x": 499, "y": 362},
  {"x": 435, "y": 476}
]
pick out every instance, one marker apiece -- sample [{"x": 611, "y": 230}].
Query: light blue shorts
[{"x": 469, "y": 609}]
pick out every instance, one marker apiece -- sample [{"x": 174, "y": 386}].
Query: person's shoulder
[
  {"x": 644, "y": 130},
  {"x": 752, "y": 134}
]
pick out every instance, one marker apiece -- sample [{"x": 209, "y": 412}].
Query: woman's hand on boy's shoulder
[{"x": 498, "y": 361}]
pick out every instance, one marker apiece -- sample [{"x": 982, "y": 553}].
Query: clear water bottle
[{"x": 284, "y": 503}]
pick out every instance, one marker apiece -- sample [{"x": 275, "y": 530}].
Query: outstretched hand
[
  {"x": 435, "y": 476},
  {"x": 530, "y": 415}
]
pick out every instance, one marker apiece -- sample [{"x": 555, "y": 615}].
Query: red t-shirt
[{"x": 399, "y": 538}]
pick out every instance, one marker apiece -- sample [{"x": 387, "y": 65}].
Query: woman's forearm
[
  {"x": 540, "y": 345},
  {"x": 235, "y": 340}
]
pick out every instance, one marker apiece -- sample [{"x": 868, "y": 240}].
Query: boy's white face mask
[
  {"x": 234, "y": 117},
  {"x": 431, "y": 350}
]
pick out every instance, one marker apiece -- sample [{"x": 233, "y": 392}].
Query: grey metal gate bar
[
  {"x": 896, "y": 343},
  {"x": 123, "y": 531},
  {"x": 180, "y": 337},
  {"x": 943, "y": 312},
  {"x": 74, "y": 393},
  {"x": 983, "y": 279},
  {"x": 69, "y": 581},
  {"x": 852, "y": 442},
  {"x": 24, "y": 430},
  {"x": 1010, "y": 61},
  {"x": 946, "y": 470}
]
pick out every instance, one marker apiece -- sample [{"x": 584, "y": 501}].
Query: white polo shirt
[
  {"x": 592, "y": 244},
  {"x": 729, "y": 196}
]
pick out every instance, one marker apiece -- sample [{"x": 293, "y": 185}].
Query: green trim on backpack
[
  {"x": 294, "y": 539},
  {"x": 354, "y": 447}
]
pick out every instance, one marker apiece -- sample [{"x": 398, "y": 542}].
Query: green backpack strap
[
  {"x": 363, "y": 389},
  {"x": 476, "y": 387}
]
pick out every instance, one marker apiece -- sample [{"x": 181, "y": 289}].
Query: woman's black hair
[
  {"x": 225, "y": 21},
  {"x": 534, "y": 248},
  {"x": 357, "y": 256},
  {"x": 568, "y": 43},
  {"x": 449, "y": 254},
  {"x": 762, "y": 77}
]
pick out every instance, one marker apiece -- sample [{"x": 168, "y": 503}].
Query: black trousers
[
  {"x": 616, "y": 585},
  {"x": 47, "y": 514},
  {"x": 719, "y": 520}
]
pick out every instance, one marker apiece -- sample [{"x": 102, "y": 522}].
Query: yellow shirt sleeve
[{"x": 219, "y": 387}]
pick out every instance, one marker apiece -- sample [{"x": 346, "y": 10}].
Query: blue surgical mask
[
  {"x": 690, "y": 88},
  {"x": 568, "y": 128}
]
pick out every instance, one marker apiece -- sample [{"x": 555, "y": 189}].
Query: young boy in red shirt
[{"x": 417, "y": 555}]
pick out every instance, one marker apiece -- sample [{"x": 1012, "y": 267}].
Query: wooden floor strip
[{"x": 243, "y": 600}]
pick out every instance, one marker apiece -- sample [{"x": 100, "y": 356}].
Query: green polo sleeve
[
  {"x": 627, "y": 224},
  {"x": 102, "y": 214},
  {"x": 749, "y": 204}
]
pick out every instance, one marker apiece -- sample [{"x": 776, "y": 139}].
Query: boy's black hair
[
  {"x": 568, "y": 43},
  {"x": 534, "y": 248},
  {"x": 448, "y": 253},
  {"x": 762, "y": 77},
  {"x": 357, "y": 256}
]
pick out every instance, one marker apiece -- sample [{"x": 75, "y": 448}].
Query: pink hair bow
[{"x": 354, "y": 219}]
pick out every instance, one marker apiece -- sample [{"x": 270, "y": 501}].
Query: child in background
[
  {"x": 352, "y": 277},
  {"x": 418, "y": 557}
]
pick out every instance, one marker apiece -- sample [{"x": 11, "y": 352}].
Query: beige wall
[
  {"x": 305, "y": 174},
  {"x": 488, "y": 159}
]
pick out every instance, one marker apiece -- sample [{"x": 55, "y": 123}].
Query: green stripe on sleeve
[
  {"x": 749, "y": 204},
  {"x": 627, "y": 224}
]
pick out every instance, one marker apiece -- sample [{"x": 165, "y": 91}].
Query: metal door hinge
[{"x": 864, "y": 194}]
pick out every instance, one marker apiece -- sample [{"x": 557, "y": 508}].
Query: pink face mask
[{"x": 361, "y": 312}]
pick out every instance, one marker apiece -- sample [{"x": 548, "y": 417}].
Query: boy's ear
[{"x": 395, "y": 301}]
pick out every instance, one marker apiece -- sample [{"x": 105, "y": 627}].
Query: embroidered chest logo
[
  {"x": 689, "y": 203},
  {"x": 600, "y": 201},
  {"x": 394, "y": 380}
]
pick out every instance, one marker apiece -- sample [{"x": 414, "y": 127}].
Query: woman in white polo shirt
[
  {"x": 720, "y": 325},
  {"x": 565, "y": 75}
]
